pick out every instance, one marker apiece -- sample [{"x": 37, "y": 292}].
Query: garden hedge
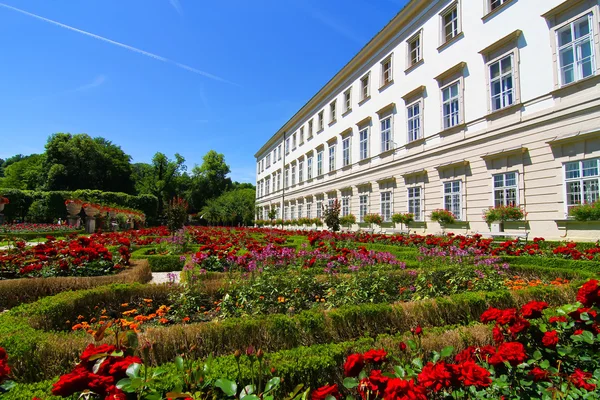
[
  {"x": 43, "y": 354},
  {"x": 312, "y": 365},
  {"x": 53, "y": 202},
  {"x": 159, "y": 263},
  {"x": 14, "y": 292}
]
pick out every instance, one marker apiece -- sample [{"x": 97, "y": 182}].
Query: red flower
[
  {"x": 375, "y": 356},
  {"x": 512, "y": 352},
  {"x": 378, "y": 381},
  {"x": 92, "y": 350},
  {"x": 497, "y": 335},
  {"x": 399, "y": 389},
  {"x": 519, "y": 326},
  {"x": 589, "y": 293},
  {"x": 324, "y": 391},
  {"x": 550, "y": 339},
  {"x": 471, "y": 374},
  {"x": 118, "y": 369},
  {"x": 533, "y": 309},
  {"x": 539, "y": 374},
  {"x": 436, "y": 376},
  {"x": 402, "y": 346},
  {"x": 115, "y": 394},
  {"x": 507, "y": 316},
  {"x": 554, "y": 320},
  {"x": 4, "y": 368},
  {"x": 354, "y": 364},
  {"x": 489, "y": 315},
  {"x": 579, "y": 379}
]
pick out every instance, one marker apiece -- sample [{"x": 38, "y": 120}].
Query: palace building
[{"x": 460, "y": 105}]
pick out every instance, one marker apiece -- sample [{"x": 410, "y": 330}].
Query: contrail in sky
[{"x": 123, "y": 45}]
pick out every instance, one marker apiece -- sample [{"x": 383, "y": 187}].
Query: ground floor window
[
  {"x": 505, "y": 189},
  {"x": 319, "y": 209},
  {"x": 386, "y": 206},
  {"x": 345, "y": 206},
  {"x": 363, "y": 206},
  {"x": 414, "y": 202},
  {"x": 582, "y": 182},
  {"x": 452, "y": 198}
]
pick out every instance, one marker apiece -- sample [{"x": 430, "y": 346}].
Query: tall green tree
[
  {"x": 81, "y": 162},
  {"x": 26, "y": 174},
  {"x": 209, "y": 180},
  {"x": 235, "y": 207}
]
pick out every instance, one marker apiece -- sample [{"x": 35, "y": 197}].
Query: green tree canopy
[
  {"x": 26, "y": 174},
  {"x": 81, "y": 162},
  {"x": 231, "y": 208},
  {"x": 209, "y": 180}
]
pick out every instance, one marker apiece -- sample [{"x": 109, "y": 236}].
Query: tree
[
  {"x": 331, "y": 216},
  {"x": 176, "y": 214},
  {"x": 80, "y": 162},
  {"x": 26, "y": 174},
  {"x": 231, "y": 208},
  {"x": 209, "y": 180}
]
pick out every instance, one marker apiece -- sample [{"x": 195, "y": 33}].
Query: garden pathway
[{"x": 165, "y": 277}]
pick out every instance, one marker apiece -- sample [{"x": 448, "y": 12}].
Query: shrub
[
  {"x": 373, "y": 219},
  {"x": 331, "y": 216},
  {"x": 586, "y": 212},
  {"x": 442, "y": 216},
  {"x": 348, "y": 220},
  {"x": 503, "y": 214},
  {"x": 403, "y": 219},
  {"x": 176, "y": 214}
]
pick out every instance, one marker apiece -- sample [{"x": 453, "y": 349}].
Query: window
[
  {"x": 346, "y": 152},
  {"x": 320, "y": 163},
  {"x": 287, "y": 146},
  {"x": 274, "y": 181},
  {"x": 300, "y": 211},
  {"x": 279, "y": 152},
  {"x": 294, "y": 141},
  {"x": 309, "y": 210},
  {"x": 293, "y": 212},
  {"x": 576, "y": 50},
  {"x": 258, "y": 167},
  {"x": 364, "y": 143},
  {"x": 386, "y": 206},
  {"x": 293, "y": 174},
  {"x": 301, "y": 136},
  {"x": 279, "y": 180},
  {"x": 268, "y": 160},
  {"x": 309, "y": 167},
  {"x": 452, "y": 198},
  {"x": 321, "y": 122},
  {"x": 414, "y": 50},
  {"x": 413, "y": 117},
  {"x": 330, "y": 204},
  {"x": 332, "y": 110},
  {"x": 364, "y": 87},
  {"x": 319, "y": 208},
  {"x": 386, "y": 134},
  {"x": 286, "y": 215},
  {"x": 414, "y": 202},
  {"x": 497, "y": 3},
  {"x": 267, "y": 186},
  {"x": 348, "y": 100},
  {"x": 300, "y": 171},
  {"x": 345, "y": 206},
  {"x": 363, "y": 206},
  {"x": 310, "y": 128},
  {"x": 505, "y": 189},
  {"x": 331, "y": 158},
  {"x": 262, "y": 165},
  {"x": 386, "y": 71},
  {"x": 450, "y": 105},
  {"x": 450, "y": 27},
  {"x": 287, "y": 177},
  {"x": 582, "y": 182},
  {"x": 501, "y": 83}
]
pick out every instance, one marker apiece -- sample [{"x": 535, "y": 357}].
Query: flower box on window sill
[
  {"x": 387, "y": 224},
  {"x": 417, "y": 224},
  {"x": 574, "y": 224}
]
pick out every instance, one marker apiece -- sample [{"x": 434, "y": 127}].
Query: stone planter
[
  {"x": 1, "y": 207},
  {"x": 497, "y": 227},
  {"x": 91, "y": 211},
  {"x": 73, "y": 209}
]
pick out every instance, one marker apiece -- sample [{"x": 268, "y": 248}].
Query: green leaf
[
  {"x": 446, "y": 351},
  {"x": 133, "y": 370},
  {"x": 545, "y": 364},
  {"x": 272, "y": 383},
  {"x": 330, "y": 397},
  {"x": 153, "y": 396},
  {"x": 400, "y": 372},
  {"x": 418, "y": 363},
  {"x": 179, "y": 363},
  {"x": 228, "y": 387},
  {"x": 8, "y": 385},
  {"x": 412, "y": 344},
  {"x": 350, "y": 383},
  {"x": 247, "y": 391},
  {"x": 588, "y": 337},
  {"x": 158, "y": 372},
  {"x": 537, "y": 355},
  {"x": 123, "y": 384},
  {"x": 97, "y": 356},
  {"x": 177, "y": 395},
  {"x": 132, "y": 340},
  {"x": 250, "y": 397}
]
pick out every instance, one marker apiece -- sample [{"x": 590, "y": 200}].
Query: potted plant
[
  {"x": 586, "y": 212},
  {"x": 497, "y": 216},
  {"x": 443, "y": 217},
  {"x": 272, "y": 214},
  {"x": 3, "y": 201},
  {"x": 373, "y": 219},
  {"x": 348, "y": 220},
  {"x": 73, "y": 207},
  {"x": 403, "y": 219}
]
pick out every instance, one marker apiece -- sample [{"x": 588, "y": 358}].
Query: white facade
[{"x": 454, "y": 104}]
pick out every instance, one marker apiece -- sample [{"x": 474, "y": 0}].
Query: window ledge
[
  {"x": 332, "y": 122},
  {"x": 364, "y": 161},
  {"x": 496, "y": 10},
  {"x": 346, "y": 167},
  {"x": 449, "y": 43},
  {"x": 414, "y": 66},
  {"x": 578, "y": 85},
  {"x": 454, "y": 129},
  {"x": 363, "y": 101},
  {"x": 387, "y": 152},
  {"x": 320, "y": 131},
  {"x": 386, "y": 85},
  {"x": 348, "y": 111},
  {"x": 415, "y": 143},
  {"x": 504, "y": 111}
]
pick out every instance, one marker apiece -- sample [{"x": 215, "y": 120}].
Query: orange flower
[
  {"x": 125, "y": 305},
  {"x": 163, "y": 321},
  {"x": 130, "y": 312}
]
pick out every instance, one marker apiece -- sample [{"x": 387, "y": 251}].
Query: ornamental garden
[{"x": 267, "y": 313}]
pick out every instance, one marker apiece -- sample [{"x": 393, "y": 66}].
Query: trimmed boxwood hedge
[
  {"x": 42, "y": 354},
  {"x": 159, "y": 263}
]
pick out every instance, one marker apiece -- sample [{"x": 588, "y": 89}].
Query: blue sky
[{"x": 181, "y": 76}]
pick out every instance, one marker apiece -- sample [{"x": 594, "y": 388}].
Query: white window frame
[
  {"x": 414, "y": 124},
  {"x": 415, "y": 203},
  {"x": 365, "y": 87},
  {"x": 386, "y": 205},
  {"x": 585, "y": 177},
  {"x": 267, "y": 186},
  {"x": 454, "y": 23},
  {"x": 300, "y": 171},
  {"x": 387, "y": 71},
  {"x": 414, "y": 55},
  {"x": 319, "y": 208},
  {"x": 333, "y": 111},
  {"x": 294, "y": 142},
  {"x": 321, "y": 120},
  {"x": 348, "y": 100},
  {"x": 331, "y": 157},
  {"x": 574, "y": 45},
  {"x": 507, "y": 97},
  {"x": 346, "y": 151},
  {"x": 310, "y": 128},
  {"x": 287, "y": 177},
  {"x": 345, "y": 209},
  {"x": 363, "y": 206},
  {"x": 301, "y": 135},
  {"x": 309, "y": 210},
  {"x": 387, "y": 134},
  {"x": 268, "y": 160},
  {"x": 447, "y": 120},
  {"x": 309, "y": 167},
  {"x": 279, "y": 152},
  {"x": 287, "y": 146},
  {"x": 320, "y": 163},
  {"x": 293, "y": 174},
  {"x": 505, "y": 189},
  {"x": 453, "y": 199},
  {"x": 300, "y": 210},
  {"x": 363, "y": 136},
  {"x": 279, "y": 180}
]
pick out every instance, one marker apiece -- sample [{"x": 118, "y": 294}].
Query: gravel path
[{"x": 163, "y": 277}]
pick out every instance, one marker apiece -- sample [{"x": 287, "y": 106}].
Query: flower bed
[{"x": 27, "y": 228}]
